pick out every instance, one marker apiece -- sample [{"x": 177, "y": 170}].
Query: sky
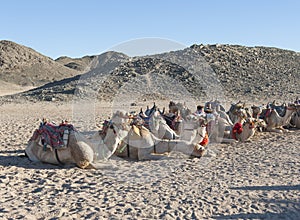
[{"x": 77, "y": 28}]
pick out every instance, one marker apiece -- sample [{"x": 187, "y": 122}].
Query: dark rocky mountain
[
  {"x": 254, "y": 71},
  {"x": 204, "y": 71}
]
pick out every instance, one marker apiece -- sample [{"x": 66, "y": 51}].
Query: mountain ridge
[{"x": 252, "y": 72}]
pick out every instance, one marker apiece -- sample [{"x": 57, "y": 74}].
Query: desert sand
[{"x": 254, "y": 180}]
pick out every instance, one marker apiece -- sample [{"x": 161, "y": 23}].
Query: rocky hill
[
  {"x": 254, "y": 71},
  {"x": 201, "y": 71},
  {"x": 24, "y": 66},
  {"x": 79, "y": 64}
]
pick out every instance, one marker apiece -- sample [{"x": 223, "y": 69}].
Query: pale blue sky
[{"x": 88, "y": 27}]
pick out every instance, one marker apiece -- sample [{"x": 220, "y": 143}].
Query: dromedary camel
[
  {"x": 160, "y": 128},
  {"x": 141, "y": 144},
  {"x": 295, "y": 121},
  {"x": 275, "y": 122},
  {"x": 243, "y": 129},
  {"x": 235, "y": 110},
  {"x": 78, "y": 150},
  {"x": 156, "y": 123}
]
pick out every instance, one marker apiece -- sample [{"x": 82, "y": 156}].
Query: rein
[
  {"x": 290, "y": 108},
  {"x": 57, "y": 157}
]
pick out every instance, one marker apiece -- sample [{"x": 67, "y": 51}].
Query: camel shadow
[
  {"x": 287, "y": 213},
  {"x": 268, "y": 188},
  {"x": 267, "y": 215},
  {"x": 20, "y": 160}
]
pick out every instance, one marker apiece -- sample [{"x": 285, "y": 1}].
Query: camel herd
[{"x": 154, "y": 134}]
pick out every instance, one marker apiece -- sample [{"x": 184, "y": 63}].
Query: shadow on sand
[
  {"x": 290, "y": 209},
  {"x": 17, "y": 158}
]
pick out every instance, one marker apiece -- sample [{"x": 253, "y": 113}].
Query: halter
[{"x": 291, "y": 108}]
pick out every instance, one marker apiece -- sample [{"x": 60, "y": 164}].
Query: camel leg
[
  {"x": 146, "y": 154},
  {"x": 228, "y": 140}
]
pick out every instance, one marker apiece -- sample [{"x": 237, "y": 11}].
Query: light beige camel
[
  {"x": 256, "y": 112},
  {"x": 241, "y": 131},
  {"x": 79, "y": 150},
  {"x": 275, "y": 122},
  {"x": 219, "y": 127},
  {"x": 160, "y": 128},
  {"x": 141, "y": 144},
  {"x": 235, "y": 110},
  {"x": 247, "y": 129},
  {"x": 295, "y": 121},
  {"x": 179, "y": 109}
]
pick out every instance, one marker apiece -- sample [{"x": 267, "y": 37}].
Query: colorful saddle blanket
[{"x": 52, "y": 134}]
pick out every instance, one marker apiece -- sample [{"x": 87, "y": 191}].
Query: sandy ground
[{"x": 255, "y": 180}]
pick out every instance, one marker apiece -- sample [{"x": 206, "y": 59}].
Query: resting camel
[
  {"x": 179, "y": 109},
  {"x": 234, "y": 111},
  {"x": 275, "y": 122},
  {"x": 160, "y": 128},
  {"x": 79, "y": 150},
  {"x": 141, "y": 144},
  {"x": 295, "y": 121},
  {"x": 243, "y": 129},
  {"x": 156, "y": 124},
  {"x": 256, "y": 114}
]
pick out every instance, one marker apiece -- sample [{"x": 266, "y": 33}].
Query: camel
[
  {"x": 295, "y": 121},
  {"x": 141, "y": 144},
  {"x": 156, "y": 123},
  {"x": 256, "y": 113},
  {"x": 214, "y": 105},
  {"x": 179, "y": 109},
  {"x": 243, "y": 129},
  {"x": 160, "y": 128},
  {"x": 79, "y": 149},
  {"x": 235, "y": 109},
  {"x": 275, "y": 122}
]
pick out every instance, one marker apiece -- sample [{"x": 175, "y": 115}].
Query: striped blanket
[{"x": 52, "y": 134}]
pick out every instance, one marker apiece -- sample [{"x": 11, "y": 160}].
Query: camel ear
[
  {"x": 163, "y": 112},
  {"x": 141, "y": 110}
]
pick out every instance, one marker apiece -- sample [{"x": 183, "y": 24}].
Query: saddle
[
  {"x": 53, "y": 136},
  {"x": 138, "y": 132}
]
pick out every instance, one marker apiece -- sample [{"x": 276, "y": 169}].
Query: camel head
[
  {"x": 120, "y": 123},
  {"x": 251, "y": 122},
  {"x": 256, "y": 111},
  {"x": 293, "y": 107},
  {"x": 260, "y": 124},
  {"x": 194, "y": 122}
]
